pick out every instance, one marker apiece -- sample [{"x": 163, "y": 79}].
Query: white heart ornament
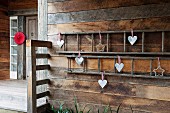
[
  {"x": 119, "y": 67},
  {"x": 132, "y": 39},
  {"x": 102, "y": 83},
  {"x": 79, "y": 60},
  {"x": 60, "y": 43}
]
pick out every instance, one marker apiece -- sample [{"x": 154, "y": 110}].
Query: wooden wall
[
  {"x": 145, "y": 95},
  {"x": 4, "y": 41},
  {"x": 23, "y": 4}
]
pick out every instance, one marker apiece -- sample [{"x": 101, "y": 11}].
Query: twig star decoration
[{"x": 159, "y": 69}]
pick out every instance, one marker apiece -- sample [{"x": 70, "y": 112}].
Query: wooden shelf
[
  {"x": 119, "y": 75},
  {"x": 109, "y": 32},
  {"x": 117, "y": 53},
  {"x": 112, "y": 53}
]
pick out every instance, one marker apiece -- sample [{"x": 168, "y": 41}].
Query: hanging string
[
  {"x": 159, "y": 62},
  {"x": 100, "y": 36},
  {"x": 132, "y": 32},
  {"x": 102, "y": 75},
  {"x": 59, "y": 36},
  {"x": 119, "y": 60},
  {"x": 79, "y": 55}
]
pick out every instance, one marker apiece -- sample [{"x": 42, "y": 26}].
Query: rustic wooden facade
[
  {"x": 79, "y": 21},
  {"x": 4, "y": 41},
  {"x": 144, "y": 94}
]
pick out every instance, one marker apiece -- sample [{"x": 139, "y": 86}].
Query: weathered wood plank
[
  {"x": 42, "y": 67},
  {"x": 21, "y": 51},
  {"x": 124, "y": 89},
  {"x": 25, "y": 4},
  {"x": 140, "y": 24},
  {"x": 23, "y": 12},
  {"x": 43, "y": 94},
  {"x": 31, "y": 74},
  {"x": 140, "y": 65},
  {"x": 136, "y": 103},
  {"x": 80, "y": 5},
  {"x": 59, "y": 72},
  {"x": 42, "y": 56},
  {"x": 38, "y": 43},
  {"x": 124, "y": 13},
  {"x": 41, "y": 82}
]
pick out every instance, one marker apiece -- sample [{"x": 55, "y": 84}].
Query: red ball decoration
[{"x": 19, "y": 38}]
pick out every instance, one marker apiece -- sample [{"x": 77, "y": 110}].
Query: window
[{"x": 13, "y": 48}]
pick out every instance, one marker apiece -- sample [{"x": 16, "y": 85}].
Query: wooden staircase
[{"x": 21, "y": 95}]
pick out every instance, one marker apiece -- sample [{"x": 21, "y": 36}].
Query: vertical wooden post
[
  {"x": 108, "y": 42},
  {"x": 163, "y": 39},
  {"x": 143, "y": 41},
  {"x": 21, "y": 51},
  {"x": 92, "y": 43},
  {"x": 124, "y": 42},
  {"x": 42, "y": 32},
  {"x": 99, "y": 65},
  {"x": 78, "y": 43},
  {"x": 31, "y": 85}
]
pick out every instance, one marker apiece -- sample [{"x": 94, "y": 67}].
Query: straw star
[{"x": 159, "y": 70}]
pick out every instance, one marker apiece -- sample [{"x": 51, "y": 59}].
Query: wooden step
[{"x": 42, "y": 67}]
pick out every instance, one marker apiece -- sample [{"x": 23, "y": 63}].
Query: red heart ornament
[{"x": 19, "y": 38}]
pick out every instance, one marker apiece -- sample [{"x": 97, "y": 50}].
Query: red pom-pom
[{"x": 19, "y": 38}]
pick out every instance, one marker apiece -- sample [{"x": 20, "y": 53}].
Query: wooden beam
[
  {"x": 24, "y": 12},
  {"x": 41, "y": 82},
  {"x": 42, "y": 55},
  {"x": 160, "y": 23},
  {"x": 21, "y": 51},
  {"x": 80, "y": 5},
  {"x": 42, "y": 67},
  {"x": 123, "y": 13},
  {"x": 38, "y": 43},
  {"x": 44, "y": 94},
  {"x": 31, "y": 87}
]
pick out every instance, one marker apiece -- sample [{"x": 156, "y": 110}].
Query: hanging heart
[
  {"x": 59, "y": 41},
  {"x": 79, "y": 59},
  {"x": 119, "y": 66},
  {"x": 102, "y": 82},
  {"x": 132, "y": 39}
]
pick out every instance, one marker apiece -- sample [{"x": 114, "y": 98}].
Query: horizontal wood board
[{"x": 5, "y": 44}]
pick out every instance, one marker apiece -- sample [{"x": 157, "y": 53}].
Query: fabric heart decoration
[
  {"x": 119, "y": 66},
  {"x": 79, "y": 60},
  {"x": 132, "y": 39},
  {"x": 60, "y": 43},
  {"x": 102, "y": 82}
]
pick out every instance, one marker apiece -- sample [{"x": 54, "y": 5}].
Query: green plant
[
  {"x": 60, "y": 109},
  {"x": 107, "y": 109},
  {"x": 78, "y": 110}
]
